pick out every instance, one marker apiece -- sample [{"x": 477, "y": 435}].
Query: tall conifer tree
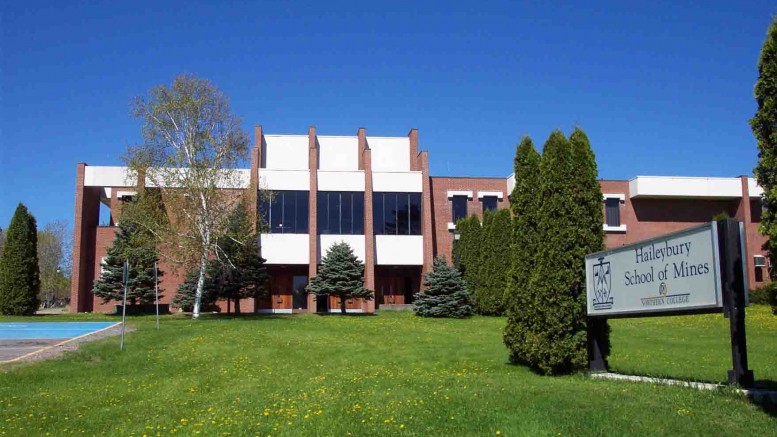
[
  {"x": 468, "y": 249},
  {"x": 555, "y": 337},
  {"x": 764, "y": 125},
  {"x": 495, "y": 263},
  {"x": 524, "y": 204},
  {"x": 19, "y": 272}
]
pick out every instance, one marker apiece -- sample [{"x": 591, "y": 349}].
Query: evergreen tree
[
  {"x": 764, "y": 125},
  {"x": 478, "y": 269},
  {"x": 524, "y": 204},
  {"x": 341, "y": 274},
  {"x": 588, "y": 221},
  {"x": 445, "y": 295},
  {"x": 184, "y": 298},
  {"x": 468, "y": 248},
  {"x": 496, "y": 264},
  {"x": 133, "y": 243},
  {"x": 239, "y": 273},
  {"x": 19, "y": 274},
  {"x": 553, "y": 331}
]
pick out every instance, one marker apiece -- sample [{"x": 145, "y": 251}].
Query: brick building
[{"x": 376, "y": 194}]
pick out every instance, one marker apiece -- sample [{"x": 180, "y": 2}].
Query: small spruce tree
[
  {"x": 19, "y": 271},
  {"x": 445, "y": 295},
  {"x": 184, "y": 298},
  {"x": 341, "y": 274},
  {"x": 239, "y": 273},
  {"x": 134, "y": 245},
  {"x": 496, "y": 264}
]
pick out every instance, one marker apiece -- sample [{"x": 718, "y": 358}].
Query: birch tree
[{"x": 192, "y": 146}]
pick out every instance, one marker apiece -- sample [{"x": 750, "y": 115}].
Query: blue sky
[{"x": 660, "y": 88}]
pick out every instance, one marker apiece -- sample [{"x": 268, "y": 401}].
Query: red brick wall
[{"x": 442, "y": 210}]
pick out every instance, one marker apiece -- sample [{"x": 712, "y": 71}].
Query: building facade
[{"x": 376, "y": 194}]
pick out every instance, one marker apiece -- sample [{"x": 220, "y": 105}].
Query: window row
[
  {"x": 459, "y": 206},
  {"x": 396, "y": 213},
  {"x": 342, "y": 213}
]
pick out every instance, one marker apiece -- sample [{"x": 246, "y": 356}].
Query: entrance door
[
  {"x": 322, "y": 304},
  {"x": 300, "y": 299}
]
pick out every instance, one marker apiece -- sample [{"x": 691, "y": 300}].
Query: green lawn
[{"x": 388, "y": 374}]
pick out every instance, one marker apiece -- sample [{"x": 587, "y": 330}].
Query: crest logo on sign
[{"x": 602, "y": 298}]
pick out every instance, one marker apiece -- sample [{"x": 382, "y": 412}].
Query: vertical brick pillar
[
  {"x": 413, "y": 136},
  {"x": 253, "y": 184},
  {"x": 115, "y": 207},
  {"x": 87, "y": 214},
  {"x": 744, "y": 215},
  {"x": 313, "y": 208},
  {"x": 426, "y": 212},
  {"x": 365, "y": 162}
]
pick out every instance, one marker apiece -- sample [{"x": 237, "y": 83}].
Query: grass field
[{"x": 391, "y": 374}]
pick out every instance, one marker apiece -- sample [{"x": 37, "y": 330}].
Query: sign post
[
  {"x": 156, "y": 295},
  {"x": 124, "y": 305},
  {"x": 694, "y": 271}
]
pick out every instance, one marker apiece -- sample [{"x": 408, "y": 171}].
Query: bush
[
  {"x": 765, "y": 295},
  {"x": 446, "y": 293}
]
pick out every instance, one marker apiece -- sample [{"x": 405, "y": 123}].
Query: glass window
[
  {"x": 612, "y": 211},
  {"x": 340, "y": 212},
  {"x": 414, "y": 205},
  {"x": 286, "y": 213},
  {"x": 489, "y": 203},
  {"x": 300, "y": 297},
  {"x": 396, "y": 213},
  {"x": 459, "y": 204}
]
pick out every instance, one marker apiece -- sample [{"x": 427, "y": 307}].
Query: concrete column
[
  {"x": 313, "y": 209},
  {"x": 365, "y": 160}
]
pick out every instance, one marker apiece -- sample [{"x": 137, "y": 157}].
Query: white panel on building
[
  {"x": 105, "y": 176},
  {"x": 753, "y": 188},
  {"x": 355, "y": 241},
  {"x": 284, "y": 179},
  {"x": 338, "y": 153},
  {"x": 685, "y": 187},
  {"x": 286, "y": 248},
  {"x": 390, "y": 153},
  {"x": 400, "y": 182},
  {"x": 285, "y": 152},
  {"x": 399, "y": 250},
  {"x": 511, "y": 183},
  {"x": 340, "y": 180}
]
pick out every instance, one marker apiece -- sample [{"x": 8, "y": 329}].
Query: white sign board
[{"x": 674, "y": 272}]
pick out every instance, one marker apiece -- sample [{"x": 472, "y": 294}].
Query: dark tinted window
[
  {"x": 459, "y": 204},
  {"x": 489, "y": 203},
  {"x": 414, "y": 202},
  {"x": 612, "y": 212},
  {"x": 340, "y": 212},
  {"x": 396, "y": 213},
  {"x": 287, "y": 213}
]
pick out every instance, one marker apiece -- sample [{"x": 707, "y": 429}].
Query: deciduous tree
[{"x": 192, "y": 146}]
